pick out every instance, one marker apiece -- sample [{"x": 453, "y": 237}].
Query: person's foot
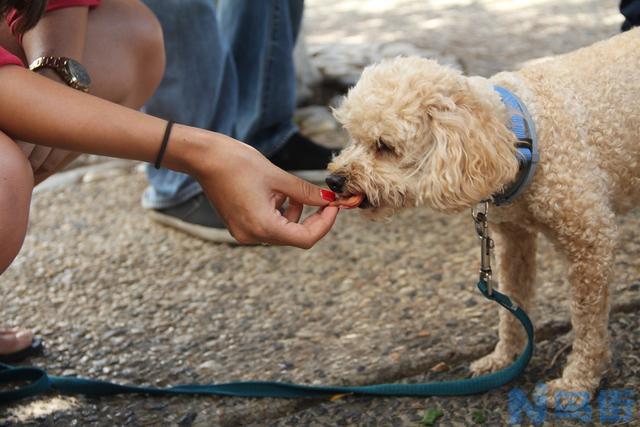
[
  {"x": 196, "y": 217},
  {"x": 299, "y": 153},
  {"x": 199, "y": 218},
  {"x": 17, "y": 344}
]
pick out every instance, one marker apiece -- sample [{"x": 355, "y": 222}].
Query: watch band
[
  {"x": 47, "y": 62},
  {"x": 60, "y": 65}
]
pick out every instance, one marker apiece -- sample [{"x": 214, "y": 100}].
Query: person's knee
[
  {"x": 150, "y": 52},
  {"x": 16, "y": 184},
  {"x": 147, "y": 46}
]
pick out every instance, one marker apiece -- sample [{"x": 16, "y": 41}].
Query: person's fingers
[
  {"x": 54, "y": 161},
  {"x": 293, "y": 211},
  {"x": 322, "y": 221},
  {"x": 45, "y": 160},
  {"x": 26, "y": 147},
  {"x": 307, "y": 233},
  {"x": 279, "y": 200},
  {"x": 300, "y": 190},
  {"x": 38, "y": 156}
]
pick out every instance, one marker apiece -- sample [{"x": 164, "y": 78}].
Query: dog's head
[{"x": 421, "y": 133}]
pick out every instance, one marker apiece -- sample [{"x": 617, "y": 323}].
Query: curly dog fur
[{"x": 425, "y": 135}]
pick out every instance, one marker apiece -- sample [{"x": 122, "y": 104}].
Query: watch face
[{"x": 78, "y": 73}]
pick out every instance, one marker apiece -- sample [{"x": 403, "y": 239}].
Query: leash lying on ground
[{"x": 39, "y": 382}]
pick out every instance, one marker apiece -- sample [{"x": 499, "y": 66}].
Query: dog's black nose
[{"x": 336, "y": 182}]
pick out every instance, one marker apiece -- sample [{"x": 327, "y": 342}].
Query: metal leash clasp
[{"x": 480, "y": 216}]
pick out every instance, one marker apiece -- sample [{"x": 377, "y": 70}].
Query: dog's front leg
[
  {"x": 516, "y": 250},
  {"x": 588, "y": 237}
]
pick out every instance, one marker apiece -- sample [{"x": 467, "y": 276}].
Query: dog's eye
[{"x": 383, "y": 147}]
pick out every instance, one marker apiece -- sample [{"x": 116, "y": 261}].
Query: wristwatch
[{"x": 70, "y": 70}]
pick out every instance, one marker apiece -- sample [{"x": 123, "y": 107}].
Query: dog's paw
[
  {"x": 563, "y": 394},
  {"x": 492, "y": 362}
]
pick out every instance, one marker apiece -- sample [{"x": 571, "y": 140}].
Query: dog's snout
[{"x": 336, "y": 182}]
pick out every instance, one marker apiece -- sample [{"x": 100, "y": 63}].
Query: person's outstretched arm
[{"x": 245, "y": 187}]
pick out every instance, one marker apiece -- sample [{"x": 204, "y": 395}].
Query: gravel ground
[
  {"x": 117, "y": 296},
  {"x": 494, "y": 406},
  {"x": 486, "y": 36}
]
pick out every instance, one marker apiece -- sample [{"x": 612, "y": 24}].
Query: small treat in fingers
[{"x": 348, "y": 202}]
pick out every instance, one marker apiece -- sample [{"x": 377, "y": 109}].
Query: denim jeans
[{"x": 230, "y": 70}]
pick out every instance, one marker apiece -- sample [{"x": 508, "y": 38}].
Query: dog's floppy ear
[{"x": 471, "y": 154}]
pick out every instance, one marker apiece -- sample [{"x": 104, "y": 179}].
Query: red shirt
[{"x": 6, "y": 58}]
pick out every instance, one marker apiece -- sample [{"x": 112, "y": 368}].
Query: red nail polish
[{"x": 327, "y": 195}]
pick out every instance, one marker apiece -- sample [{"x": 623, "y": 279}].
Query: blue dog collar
[{"x": 527, "y": 148}]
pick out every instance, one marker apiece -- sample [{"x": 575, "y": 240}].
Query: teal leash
[{"x": 38, "y": 381}]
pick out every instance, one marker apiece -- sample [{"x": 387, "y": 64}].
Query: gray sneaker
[{"x": 196, "y": 217}]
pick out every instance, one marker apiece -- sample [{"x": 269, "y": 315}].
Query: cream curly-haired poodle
[{"x": 423, "y": 134}]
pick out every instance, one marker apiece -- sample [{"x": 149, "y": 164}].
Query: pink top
[{"x": 8, "y": 59}]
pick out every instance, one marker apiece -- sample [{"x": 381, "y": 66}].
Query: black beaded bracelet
[{"x": 165, "y": 142}]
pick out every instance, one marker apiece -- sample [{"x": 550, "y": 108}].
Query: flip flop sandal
[{"x": 35, "y": 349}]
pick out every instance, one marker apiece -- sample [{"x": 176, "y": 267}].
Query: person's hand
[
  {"x": 248, "y": 192},
  {"x": 45, "y": 161}
]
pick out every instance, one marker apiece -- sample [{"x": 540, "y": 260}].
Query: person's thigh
[
  {"x": 124, "y": 52},
  {"x": 200, "y": 87},
  {"x": 265, "y": 69},
  {"x": 16, "y": 185}
]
